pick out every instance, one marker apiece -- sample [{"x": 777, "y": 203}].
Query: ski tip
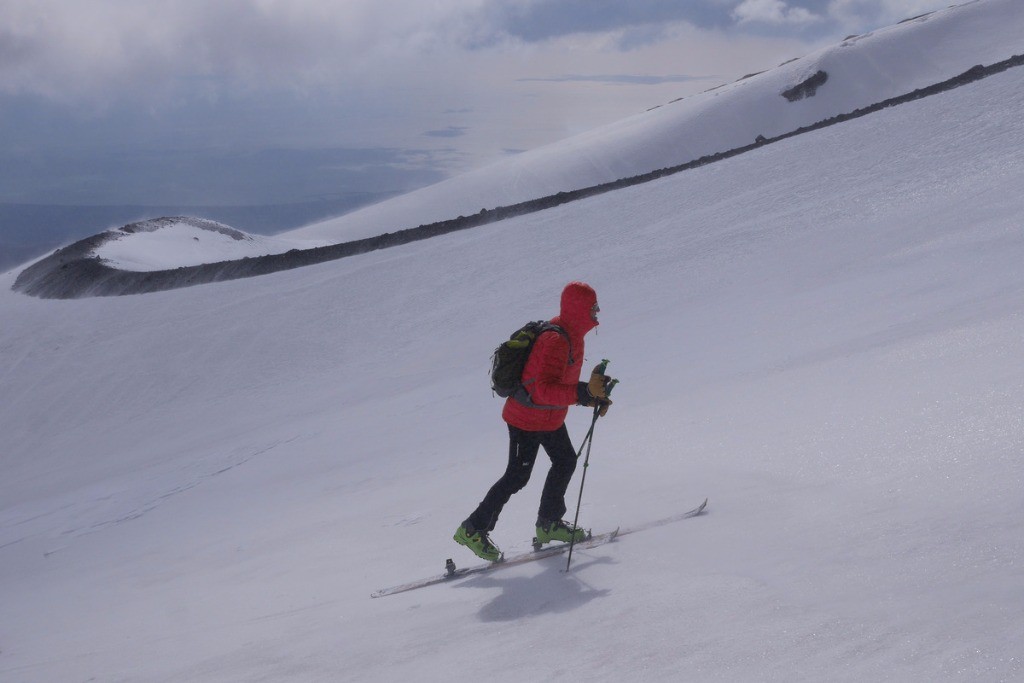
[{"x": 699, "y": 510}]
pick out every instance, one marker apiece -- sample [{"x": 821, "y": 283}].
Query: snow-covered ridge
[
  {"x": 176, "y": 242},
  {"x": 860, "y": 71}
]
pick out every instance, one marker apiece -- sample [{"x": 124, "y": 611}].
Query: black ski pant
[{"x": 522, "y": 453}]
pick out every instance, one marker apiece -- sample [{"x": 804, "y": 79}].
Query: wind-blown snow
[{"x": 823, "y": 336}]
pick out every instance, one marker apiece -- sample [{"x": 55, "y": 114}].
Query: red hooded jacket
[{"x": 551, "y": 375}]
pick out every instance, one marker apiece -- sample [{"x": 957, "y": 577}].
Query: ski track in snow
[{"x": 121, "y": 499}]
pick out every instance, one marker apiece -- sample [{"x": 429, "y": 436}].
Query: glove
[
  {"x": 604, "y": 403},
  {"x": 597, "y": 386}
]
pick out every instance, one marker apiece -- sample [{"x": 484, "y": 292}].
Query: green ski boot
[
  {"x": 558, "y": 530},
  {"x": 478, "y": 542}
]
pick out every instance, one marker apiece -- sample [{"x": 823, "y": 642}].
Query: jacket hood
[{"x": 577, "y": 300}]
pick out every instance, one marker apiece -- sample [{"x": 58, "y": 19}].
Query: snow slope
[
  {"x": 823, "y": 336},
  {"x": 861, "y": 71}
]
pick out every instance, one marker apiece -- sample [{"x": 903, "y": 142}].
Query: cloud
[
  {"x": 773, "y": 12},
  {"x": 81, "y": 51}
]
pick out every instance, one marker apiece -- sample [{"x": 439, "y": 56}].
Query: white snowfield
[
  {"x": 164, "y": 244},
  {"x": 823, "y": 336}
]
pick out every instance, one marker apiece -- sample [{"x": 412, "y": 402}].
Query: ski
[
  {"x": 453, "y": 573},
  {"x": 667, "y": 520}
]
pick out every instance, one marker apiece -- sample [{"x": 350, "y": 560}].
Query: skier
[{"x": 552, "y": 382}]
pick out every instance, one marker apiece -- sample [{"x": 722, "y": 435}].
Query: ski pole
[
  {"x": 589, "y": 441},
  {"x": 590, "y": 433}
]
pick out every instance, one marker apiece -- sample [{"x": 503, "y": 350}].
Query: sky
[{"x": 253, "y": 102}]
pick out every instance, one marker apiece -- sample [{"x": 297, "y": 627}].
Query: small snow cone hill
[
  {"x": 822, "y": 335},
  {"x": 161, "y": 253},
  {"x": 165, "y": 243}
]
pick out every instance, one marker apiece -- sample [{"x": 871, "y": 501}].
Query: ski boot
[
  {"x": 478, "y": 542},
  {"x": 557, "y": 530}
]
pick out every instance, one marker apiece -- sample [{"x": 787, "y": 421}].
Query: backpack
[{"x": 510, "y": 357}]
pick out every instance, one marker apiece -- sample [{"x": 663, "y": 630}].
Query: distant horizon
[{"x": 28, "y": 231}]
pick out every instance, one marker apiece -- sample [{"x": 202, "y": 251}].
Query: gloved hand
[
  {"x": 597, "y": 386},
  {"x": 605, "y": 403}
]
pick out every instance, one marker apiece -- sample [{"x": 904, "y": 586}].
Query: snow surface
[
  {"x": 167, "y": 243},
  {"x": 177, "y": 242},
  {"x": 824, "y": 336}
]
